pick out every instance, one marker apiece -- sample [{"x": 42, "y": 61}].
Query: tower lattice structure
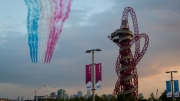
[{"x": 126, "y": 70}]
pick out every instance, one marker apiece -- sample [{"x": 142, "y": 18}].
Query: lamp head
[
  {"x": 171, "y": 71},
  {"x": 88, "y": 51},
  {"x": 97, "y": 49},
  {"x": 167, "y": 72},
  {"x": 174, "y": 71}
]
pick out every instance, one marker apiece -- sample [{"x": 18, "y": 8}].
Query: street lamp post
[
  {"x": 172, "y": 82},
  {"x": 93, "y": 71},
  {"x": 35, "y": 96}
]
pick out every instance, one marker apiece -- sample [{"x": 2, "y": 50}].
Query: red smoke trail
[
  {"x": 53, "y": 22},
  {"x": 60, "y": 30},
  {"x": 55, "y": 31}
]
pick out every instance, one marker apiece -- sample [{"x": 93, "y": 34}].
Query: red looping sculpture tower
[{"x": 126, "y": 70}]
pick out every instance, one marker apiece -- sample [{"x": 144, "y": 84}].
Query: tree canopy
[{"x": 119, "y": 97}]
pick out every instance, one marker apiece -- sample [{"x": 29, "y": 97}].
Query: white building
[{"x": 88, "y": 93}]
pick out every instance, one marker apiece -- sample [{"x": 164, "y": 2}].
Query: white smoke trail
[
  {"x": 40, "y": 23},
  {"x": 47, "y": 8},
  {"x": 44, "y": 23},
  {"x": 63, "y": 11}
]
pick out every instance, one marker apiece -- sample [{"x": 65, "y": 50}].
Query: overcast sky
[{"x": 88, "y": 25}]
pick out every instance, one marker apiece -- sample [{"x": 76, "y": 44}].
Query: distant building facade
[
  {"x": 61, "y": 94},
  {"x": 79, "y": 93},
  {"x": 53, "y": 95},
  {"x": 66, "y": 96},
  {"x": 140, "y": 95},
  {"x": 6, "y": 99},
  {"x": 88, "y": 93},
  {"x": 74, "y": 96},
  {"x": 18, "y": 98},
  {"x": 36, "y": 98},
  {"x": 22, "y": 99},
  {"x": 109, "y": 96}
]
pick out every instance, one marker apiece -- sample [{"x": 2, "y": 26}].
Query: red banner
[
  {"x": 88, "y": 77},
  {"x": 98, "y": 74}
]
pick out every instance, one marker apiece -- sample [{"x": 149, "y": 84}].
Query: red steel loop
[{"x": 126, "y": 62}]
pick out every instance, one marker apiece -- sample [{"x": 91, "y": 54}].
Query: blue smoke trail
[
  {"x": 28, "y": 3},
  {"x": 37, "y": 13},
  {"x": 32, "y": 27},
  {"x": 35, "y": 28}
]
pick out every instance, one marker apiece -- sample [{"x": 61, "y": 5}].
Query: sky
[{"x": 88, "y": 25}]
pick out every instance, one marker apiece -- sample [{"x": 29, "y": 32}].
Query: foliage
[
  {"x": 104, "y": 97},
  {"x": 131, "y": 98},
  {"x": 152, "y": 98},
  {"x": 112, "y": 98},
  {"x": 163, "y": 97},
  {"x": 120, "y": 97}
]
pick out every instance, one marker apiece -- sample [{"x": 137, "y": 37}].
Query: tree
[
  {"x": 98, "y": 98},
  {"x": 70, "y": 99},
  {"x": 141, "y": 98},
  {"x": 76, "y": 99},
  {"x": 121, "y": 97},
  {"x": 152, "y": 98},
  {"x": 112, "y": 98},
  {"x": 82, "y": 99},
  {"x": 104, "y": 97},
  {"x": 131, "y": 98},
  {"x": 163, "y": 97},
  {"x": 89, "y": 99}
]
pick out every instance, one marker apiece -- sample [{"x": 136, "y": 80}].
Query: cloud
[{"x": 84, "y": 30}]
